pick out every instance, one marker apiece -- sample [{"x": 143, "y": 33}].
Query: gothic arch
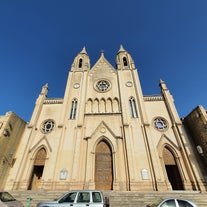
[
  {"x": 89, "y": 106},
  {"x": 39, "y": 144},
  {"x": 103, "y": 138},
  {"x": 103, "y": 165},
  {"x": 96, "y": 105},
  {"x": 115, "y": 105},
  {"x": 35, "y": 151},
  {"x": 102, "y": 106},
  {"x": 170, "y": 161},
  {"x": 109, "y": 105},
  {"x": 40, "y": 157}
]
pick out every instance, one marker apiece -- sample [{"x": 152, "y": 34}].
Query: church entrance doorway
[
  {"x": 172, "y": 170},
  {"x": 38, "y": 168},
  {"x": 103, "y": 167}
]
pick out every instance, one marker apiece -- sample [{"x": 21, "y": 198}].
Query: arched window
[
  {"x": 133, "y": 108},
  {"x": 80, "y": 63},
  {"x": 125, "y": 61},
  {"x": 73, "y": 109}
]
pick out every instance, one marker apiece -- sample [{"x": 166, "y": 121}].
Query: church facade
[{"x": 105, "y": 134}]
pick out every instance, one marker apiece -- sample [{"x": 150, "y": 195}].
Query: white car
[
  {"x": 174, "y": 202},
  {"x": 7, "y": 200},
  {"x": 79, "y": 198}
]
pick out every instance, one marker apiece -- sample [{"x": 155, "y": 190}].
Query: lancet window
[
  {"x": 73, "y": 109},
  {"x": 125, "y": 61},
  {"x": 80, "y": 63},
  {"x": 133, "y": 108}
]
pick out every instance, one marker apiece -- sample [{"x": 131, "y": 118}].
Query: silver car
[
  {"x": 79, "y": 198},
  {"x": 7, "y": 200},
  {"x": 174, "y": 202}
]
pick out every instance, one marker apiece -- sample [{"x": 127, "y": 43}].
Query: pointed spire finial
[
  {"x": 44, "y": 89},
  {"x": 83, "y": 51},
  {"x": 121, "y": 49},
  {"x": 161, "y": 81},
  {"x": 163, "y": 84}
]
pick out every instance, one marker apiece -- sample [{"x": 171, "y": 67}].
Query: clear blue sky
[{"x": 39, "y": 40}]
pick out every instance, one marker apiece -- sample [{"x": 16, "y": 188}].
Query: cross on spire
[{"x": 102, "y": 51}]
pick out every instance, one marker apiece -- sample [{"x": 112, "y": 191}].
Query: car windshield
[
  {"x": 6, "y": 197},
  {"x": 184, "y": 204},
  {"x": 68, "y": 198}
]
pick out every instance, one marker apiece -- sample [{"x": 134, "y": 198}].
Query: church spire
[
  {"x": 163, "y": 85},
  {"x": 81, "y": 61},
  {"x": 121, "y": 49},
  {"x": 83, "y": 51},
  {"x": 44, "y": 89},
  {"x": 124, "y": 59}
]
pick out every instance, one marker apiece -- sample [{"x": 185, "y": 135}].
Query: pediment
[
  {"x": 166, "y": 141},
  {"x": 103, "y": 130},
  {"x": 102, "y": 68},
  {"x": 42, "y": 141}
]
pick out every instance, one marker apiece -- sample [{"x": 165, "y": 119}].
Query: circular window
[
  {"x": 103, "y": 85},
  {"x": 129, "y": 84},
  {"x": 76, "y": 85},
  {"x": 160, "y": 124},
  {"x": 47, "y": 126}
]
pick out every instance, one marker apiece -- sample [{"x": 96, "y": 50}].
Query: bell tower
[
  {"x": 74, "y": 97},
  {"x": 130, "y": 87},
  {"x": 81, "y": 61},
  {"x": 124, "y": 60}
]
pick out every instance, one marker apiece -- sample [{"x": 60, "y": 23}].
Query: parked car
[
  {"x": 7, "y": 200},
  {"x": 83, "y": 198},
  {"x": 174, "y": 202}
]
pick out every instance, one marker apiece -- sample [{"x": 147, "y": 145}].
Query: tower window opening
[
  {"x": 73, "y": 109},
  {"x": 125, "y": 61},
  {"x": 133, "y": 108},
  {"x": 80, "y": 63}
]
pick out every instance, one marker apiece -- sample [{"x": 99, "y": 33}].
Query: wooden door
[
  {"x": 103, "y": 167},
  {"x": 38, "y": 168}
]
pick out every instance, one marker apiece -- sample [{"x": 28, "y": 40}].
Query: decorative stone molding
[
  {"x": 153, "y": 98},
  {"x": 53, "y": 101}
]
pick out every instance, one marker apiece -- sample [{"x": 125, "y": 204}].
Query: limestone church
[{"x": 105, "y": 134}]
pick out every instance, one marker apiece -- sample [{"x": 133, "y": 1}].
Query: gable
[{"x": 102, "y": 69}]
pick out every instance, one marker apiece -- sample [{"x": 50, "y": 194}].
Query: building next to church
[
  {"x": 105, "y": 134},
  {"x": 11, "y": 129},
  {"x": 196, "y": 123}
]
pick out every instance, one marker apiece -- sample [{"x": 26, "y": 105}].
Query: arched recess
[
  {"x": 109, "y": 105},
  {"x": 89, "y": 106},
  {"x": 38, "y": 168},
  {"x": 172, "y": 168},
  {"x": 103, "y": 166},
  {"x": 96, "y": 106},
  {"x": 102, "y": 107},
  {"x": 115, "y": 105}
]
